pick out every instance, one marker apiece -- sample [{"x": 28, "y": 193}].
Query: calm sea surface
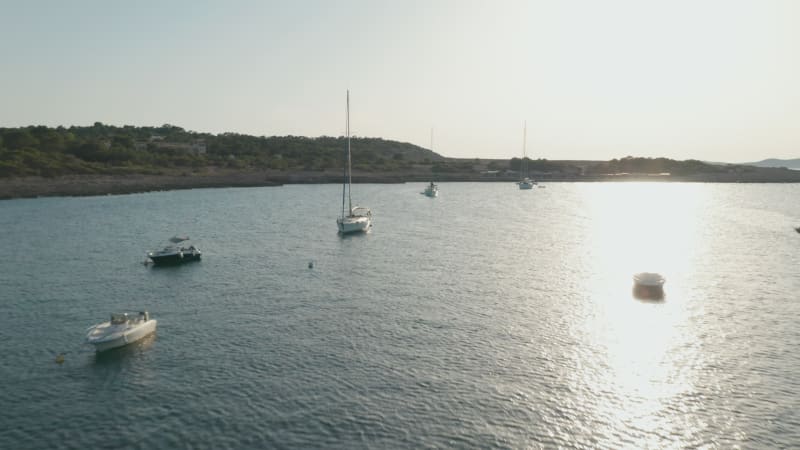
[{"x": 488, "y": 317}]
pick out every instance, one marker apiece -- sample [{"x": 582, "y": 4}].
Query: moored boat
[
  {"x": 432, "y": 190},
  {"x": 122, "y": 329},
  {"x": 647, "y": 285},
  {"x": 175, "y": 254},
  {"x": 526, "y": 182},
  {"x": 358, "y": 218}
]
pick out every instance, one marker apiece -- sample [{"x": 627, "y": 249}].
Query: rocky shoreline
[{"x": 89, "y": 185}]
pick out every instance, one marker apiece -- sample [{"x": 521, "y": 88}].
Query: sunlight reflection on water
[{"x": 648, "y": 359}]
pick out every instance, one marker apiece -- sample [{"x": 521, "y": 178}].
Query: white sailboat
[
  {"x": 525, "y": 182},
  {"x": 432, "y": 190},
  {"x": 358, "y": 218}
]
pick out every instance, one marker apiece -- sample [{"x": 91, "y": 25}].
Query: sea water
[{"x": 488, "y": 317}]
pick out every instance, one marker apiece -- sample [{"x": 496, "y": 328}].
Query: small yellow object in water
[{"x": 60, "y": 358}]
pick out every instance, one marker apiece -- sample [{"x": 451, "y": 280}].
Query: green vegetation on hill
[
  {"x": 633, "y": 165},
  {"x": 105, "y": 149},
  {"x": 543, "y": 166},
  {"x": 168, "y": 149}
]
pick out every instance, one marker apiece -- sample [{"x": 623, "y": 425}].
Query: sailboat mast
[
  {"x": 524, "y": 138},
  {"x": 349, "y": 168},
  {"x": 431, "y": 139},
  {"x": 524, "y": 148},
  {"x": 344, "y": 177}
]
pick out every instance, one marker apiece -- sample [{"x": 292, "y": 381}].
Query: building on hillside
[{"x": 198, "y": 146}]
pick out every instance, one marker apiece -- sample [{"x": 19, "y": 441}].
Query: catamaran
[{"x": 358, "y": 218}]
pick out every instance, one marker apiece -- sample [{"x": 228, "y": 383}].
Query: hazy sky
[{"x": 703, "y": 79}]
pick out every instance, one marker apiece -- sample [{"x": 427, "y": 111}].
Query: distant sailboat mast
[{"x": 524, "y": 150}]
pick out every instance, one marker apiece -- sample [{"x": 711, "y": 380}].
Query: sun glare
[
  {"x": 641, "y": 227},
  {"x": 646, "y": 348}
]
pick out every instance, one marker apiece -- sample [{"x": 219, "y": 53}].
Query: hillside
[
  {"x": 772, "y": 162},
  {"x": 103, "y": 159},
  {"x": 105, "y": 149}
]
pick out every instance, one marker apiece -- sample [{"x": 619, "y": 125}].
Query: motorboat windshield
[
  {"x": 119, "y": 319},
  {"x": 649, "y": 279}
]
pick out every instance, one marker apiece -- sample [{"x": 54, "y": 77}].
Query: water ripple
[{"x": 483, "y": 318}]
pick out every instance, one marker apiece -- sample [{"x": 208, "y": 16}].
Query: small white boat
[
  {"x": 432, "y": 190},
  {"x": 647, "y": 285},
  {"x": 122, "y": 329}
]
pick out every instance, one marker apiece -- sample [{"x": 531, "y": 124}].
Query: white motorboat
[
  {"x": 647, "y": 285},
  {"x": 358, "y": 218},
  {"x": 432, "y": 190},
  {"x": 122, "y": 329}
]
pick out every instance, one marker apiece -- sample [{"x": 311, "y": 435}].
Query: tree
[
  {"x": 51, "y": 141},
  {"x": 493, "y": 165},
  {"x": 124, "y": 141},
  {"x": 19, "y": 138}
]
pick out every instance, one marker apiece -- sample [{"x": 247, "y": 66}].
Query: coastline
[{"x": 91, "y": 185}]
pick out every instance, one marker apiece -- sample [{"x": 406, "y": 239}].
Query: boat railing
[{"x": 360, "y": 211}]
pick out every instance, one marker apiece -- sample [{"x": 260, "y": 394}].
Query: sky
[{"x": 715, "y": 80}]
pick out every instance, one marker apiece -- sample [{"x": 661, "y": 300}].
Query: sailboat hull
[
  {"x": 526, "y": 183},
  {"x": 353, "y": 224}
]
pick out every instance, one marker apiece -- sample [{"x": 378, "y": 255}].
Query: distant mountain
[{"x": 772, "y": 162}]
